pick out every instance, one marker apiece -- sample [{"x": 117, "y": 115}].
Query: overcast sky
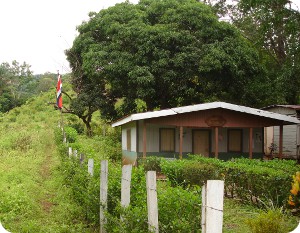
[{"x": 38, "y": 31}]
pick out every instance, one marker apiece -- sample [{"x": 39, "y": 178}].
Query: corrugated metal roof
[
  {"x": 206, "y": 106},
  {"x": 296, "y": 107}
]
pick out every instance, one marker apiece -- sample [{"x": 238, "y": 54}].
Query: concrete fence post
[
  {"x": 125, "y": 185},
  {"x": 212, "y": 206},
  {"x": 91, "y": 167},
  {"x": 70, "y": 152},
  {"x": 75, "y": 153},
  {"x": 103, "y": 193},
  {"x": 152, "y": 205}
]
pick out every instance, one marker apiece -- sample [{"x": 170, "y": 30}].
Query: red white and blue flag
[{"x": 58, "y": 92}]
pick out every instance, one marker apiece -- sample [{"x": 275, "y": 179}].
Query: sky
[{"x": 39, "y": 31}]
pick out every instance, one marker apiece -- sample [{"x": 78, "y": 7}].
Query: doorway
[{"x": 201, "y": 142}]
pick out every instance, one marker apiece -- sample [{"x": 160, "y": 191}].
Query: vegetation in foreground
[
  {"x": 42, "y": 190},
  {"x": 33, "y": 196}
]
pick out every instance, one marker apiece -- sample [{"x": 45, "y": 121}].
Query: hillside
[{"x": 33, "y": 197}]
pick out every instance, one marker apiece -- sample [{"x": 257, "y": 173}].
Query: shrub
[
  {"x": 150, "y": 163},
  {"x": 270, "y": 221},
  {"x": 294, "y": 198},
  {"x": 249, "y": 180},
  {"x": 71, "y": 134},
  {"x": 112, "y": 148}
]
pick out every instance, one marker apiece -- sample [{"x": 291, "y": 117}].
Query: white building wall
[
  {"x": 289, "y": 139},
  {"x": 133, "y": 131},
  {"x": 268, "y": 139},
  {"x": 152, "y": 135},
  {"x": 222, "y": 137},
  {"x": 291, "y": 133},
  {"x": 153, "y": 138}
]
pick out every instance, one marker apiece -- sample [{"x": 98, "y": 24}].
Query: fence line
[
  {"x": 212, "y": 197},
  {"x": 212, "y": 208}
]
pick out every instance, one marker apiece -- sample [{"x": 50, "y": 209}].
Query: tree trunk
[{"x": 87, "y": 120}]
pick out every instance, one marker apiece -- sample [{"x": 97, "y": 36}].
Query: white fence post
[
  {"x": 64, "y": 139},
  {"x": 212, "y": 202},
  {"x": 203, "y": 215},
  {"x": 81, "y": 158},
  {"x": 152, "y": 201},
  {"x": 103, "y": 193},
  {"x": 75, "y": 153},
  {"x": 125, "y": 185},
  {"x": 91, "y": 167},
  {"x": 70, "y": 152}
]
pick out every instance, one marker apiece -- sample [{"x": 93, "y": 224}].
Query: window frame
[
  {"x": 160, "y": 140},
  {"x": 228, "y": 140}
]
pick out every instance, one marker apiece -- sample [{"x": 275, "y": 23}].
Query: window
[
  {"x": 128, "y": 136},
  {"x": 167, "y": 140},
  {"x": 235, "y": 140}
]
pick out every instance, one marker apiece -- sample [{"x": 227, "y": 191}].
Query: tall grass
[{"x": 33, "y": 197}]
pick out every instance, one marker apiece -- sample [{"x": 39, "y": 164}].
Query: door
[{"x": 201, "y": 142}]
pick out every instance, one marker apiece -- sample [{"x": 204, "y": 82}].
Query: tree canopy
[
  {"x": 18, "y": 84},
  {"x": 273, "y": 27},
  {"x": 164, "y": 54}
]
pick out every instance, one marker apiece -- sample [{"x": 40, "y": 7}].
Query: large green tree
[
  {"x": 163, "y": 53},
  {"x": 273, "y": 26},
  {"x": 16, "y": 84}
]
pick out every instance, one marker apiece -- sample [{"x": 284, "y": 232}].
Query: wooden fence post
[
  {"x": 91, "y": 167},
  {"x": 152, "y": 201},
  {"x": 212, "y": 202},
  {"x": 125, "y": 185},
  {"x": 103, "y": 193}
]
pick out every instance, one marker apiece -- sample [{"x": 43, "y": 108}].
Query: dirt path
[{"x": 45, "y": 174}]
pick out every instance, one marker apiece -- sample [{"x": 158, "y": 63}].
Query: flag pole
[{"x": 59, "y": 100}]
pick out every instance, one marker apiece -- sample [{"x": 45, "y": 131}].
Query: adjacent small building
[
  {"x": 216, "y": 129},
  {"x": 291, "y": 133}
]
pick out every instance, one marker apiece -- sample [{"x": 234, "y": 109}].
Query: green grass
[
  {"x": 236, "y": 216},
  {"x": 33, "y": 197}
]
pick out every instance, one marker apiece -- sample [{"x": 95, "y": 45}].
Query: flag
[{"x": 58, "y": 92}]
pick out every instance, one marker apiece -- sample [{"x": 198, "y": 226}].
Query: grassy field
[{"x": 33, "y": 197}]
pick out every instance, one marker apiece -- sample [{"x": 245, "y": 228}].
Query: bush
[
  {"x": 150, "y": 163},
  {"x": 270, "y": 221},
  {"x": 249, "y": 180},
  {"x": 112, "y": 148},
  {"x": 71, "y": 134},
  {"x": 294, "y": 198}
]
